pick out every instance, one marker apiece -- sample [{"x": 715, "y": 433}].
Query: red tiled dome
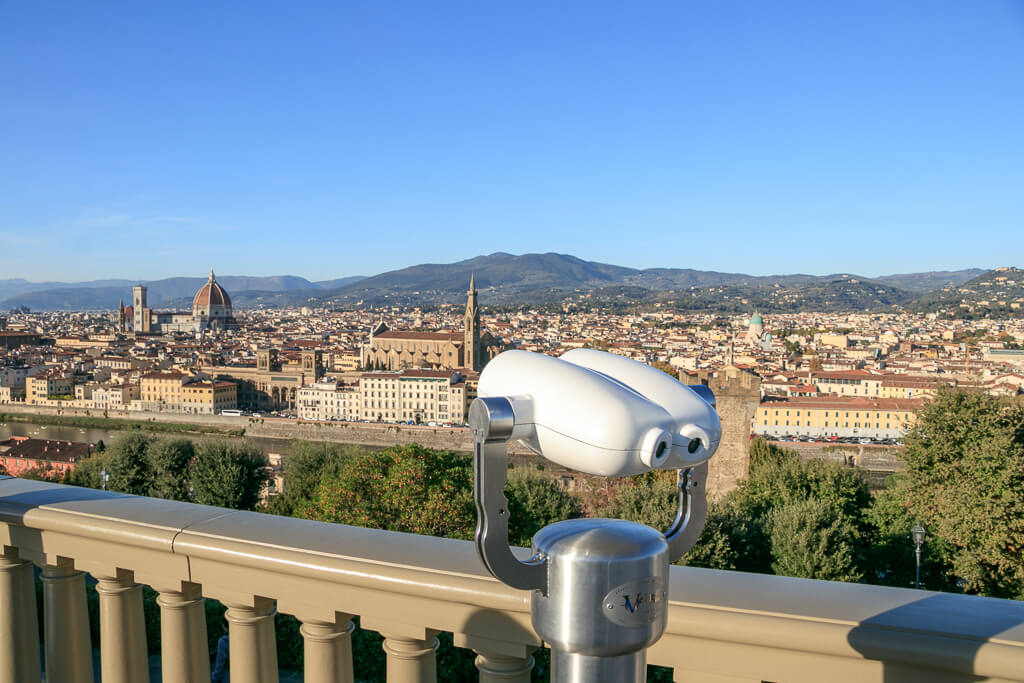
[{"x": 211, "y": 294}]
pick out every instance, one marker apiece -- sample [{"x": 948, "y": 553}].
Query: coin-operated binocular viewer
[{"x": 600, "y": 586}]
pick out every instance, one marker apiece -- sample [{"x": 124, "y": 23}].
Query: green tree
[
  {"x": 128, "y": 465},
  {"x": 169, "y": 461},
  {"x": 890, "y": 555},
  {"x": 964, "y": 481},
  {"x": 87, "y": 472},
  {"x": 534, "y": 501},
  {"x": 778, "y": 476},
  {"x": 738, "y": 534},
  {"x": 812, "y": 539},
  {"x": 403, "y": 488},
  {"x": 730, "y": 540},
  {"x": 306, "y": 465},
  {"x": 647, "y": 498},
  {"x": 228, "y": 475}
]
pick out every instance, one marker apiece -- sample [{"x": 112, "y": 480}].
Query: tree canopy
[
  {"x": 229, "y": 475},
  {"x": 964, "y": 481},
  {"x": 790, "y": 517}
]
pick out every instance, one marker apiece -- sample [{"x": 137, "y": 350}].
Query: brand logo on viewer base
[{"x": 637, "y": 603}]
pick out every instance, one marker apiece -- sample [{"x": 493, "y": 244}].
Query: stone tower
[
  {"x": 139, "y": 309},
  {"x": 737, "y": 394},
  {"x": 471, "y": 329},
  {"x": 266, "y": 360}
]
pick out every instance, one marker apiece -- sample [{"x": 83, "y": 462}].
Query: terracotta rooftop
[
  {"x": 840, "y": 403},
  {"x": 43, "y": 449}
]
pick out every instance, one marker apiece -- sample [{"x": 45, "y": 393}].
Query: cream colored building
[
  {"x": 327, "y": 401},
  {"x": 910, "y": 387},
  {"x": 827, "y": 416},
  {"x": 114, "y": 396},
  {"x": 12, "y": 394},
  {"x": 420, "y": 396},
  {"x": 179, "y": 392},
  {"x": 829, "y": 339},
  {"x": 848, "y": 383},
  {"x": 41, "y": 389}
]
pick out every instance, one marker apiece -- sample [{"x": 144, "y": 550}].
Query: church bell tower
[{"x": 471, "y": 329}]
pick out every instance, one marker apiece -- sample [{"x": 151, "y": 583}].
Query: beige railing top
[{"x": 722, "y": 625}]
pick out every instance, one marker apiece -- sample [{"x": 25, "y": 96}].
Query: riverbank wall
[{"x": 456, "y": 439}]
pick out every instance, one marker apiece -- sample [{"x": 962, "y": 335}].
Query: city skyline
[{"x": 333, "y": 141}]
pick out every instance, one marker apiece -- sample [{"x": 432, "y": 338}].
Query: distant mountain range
[
  {"x": 507, "y": 279},
  {"x": 176, "y": 292}
]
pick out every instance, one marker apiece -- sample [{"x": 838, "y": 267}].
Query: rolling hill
[{"x": 508, "y": 279}]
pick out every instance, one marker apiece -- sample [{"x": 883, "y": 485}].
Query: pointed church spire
[
  {"x": 212, "y": 279},
  {"x": 471, "y": 329}
]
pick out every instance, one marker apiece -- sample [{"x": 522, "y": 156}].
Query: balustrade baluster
[
  {"x": 499, "y": 661},
  {"x": 411, "y": 660},
  {"x": 19, "y": 627},
  {"x": 253, "y": 649},
  {"x": 184, "y": 652},
  {"x": 328, "y": 650},
  {"x": 500, "y": 669},
  {"x": 66, "y": 625},
  {"x": 124, "y": 657}
]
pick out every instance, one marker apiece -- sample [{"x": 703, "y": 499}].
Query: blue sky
[{"x": 144, "y": 140}]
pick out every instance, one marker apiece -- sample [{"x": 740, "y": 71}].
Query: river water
[{"x": 89, "y": 435}]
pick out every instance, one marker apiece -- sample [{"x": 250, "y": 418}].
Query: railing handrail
[{"x": 435, "y": 583}]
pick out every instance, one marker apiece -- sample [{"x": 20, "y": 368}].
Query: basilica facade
[{"x": 469, "y": 349}]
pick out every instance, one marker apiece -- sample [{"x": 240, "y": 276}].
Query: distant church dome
[
  {"x": 211, "y": 306},
  {"x": 211, "y": 294},
  {"x": 755, "y": 329}
]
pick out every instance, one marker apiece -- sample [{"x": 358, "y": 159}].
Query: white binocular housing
[{"x": 602, "y": 414}]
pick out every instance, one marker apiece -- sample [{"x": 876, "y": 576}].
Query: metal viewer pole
[{"x": 599, "y": 586}]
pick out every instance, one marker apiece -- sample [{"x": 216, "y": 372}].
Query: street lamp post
[{"x": 917, "y": 533}]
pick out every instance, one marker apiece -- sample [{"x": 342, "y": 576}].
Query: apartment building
[
  {"x": 14, "y": 374},
  {"x": 419, "y": 396},
  {"x": 831, "y": 416},
  {"x": 910, "y": 387},
  {"x": 42, "y": 388},
  {"x": 848, "y": 383},
  {"x": 176, "y": 391},
  {"x": 327, "y": 400}
]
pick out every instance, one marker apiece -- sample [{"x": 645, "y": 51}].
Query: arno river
[
  {"x": 88, "y": 435},
  {"x": 875, "y": 479}
]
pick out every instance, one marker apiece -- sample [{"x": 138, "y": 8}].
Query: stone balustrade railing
[{"x": 723, "y": 626}]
